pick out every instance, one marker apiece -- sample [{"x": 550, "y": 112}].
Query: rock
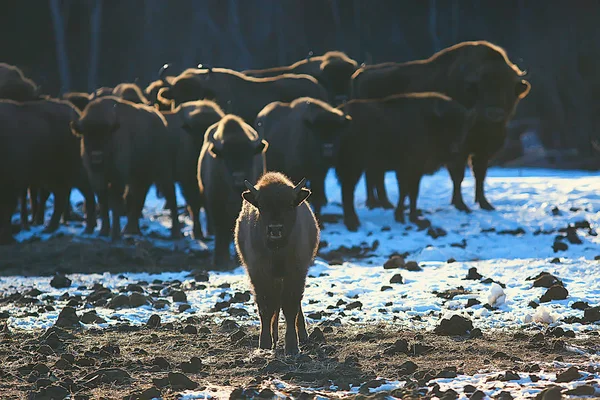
[
  {"x": 555, "y": 292},
  {"x": 190, "y": 330},
  {"x": 354, "y": 305},
  {"x": 162, "y": 363},
  {"x": 475, "y": 333},
  {"x": 153, "y": 321},
  {"x": 191, "y": 367},
  {"x": 119, "y": 301},
  {"x": 60, "y": 281},
  {"x": 200, "y": 275},
  {"x": 455, "y": 326},
  {"x": 436, "y": 232},
  {"x": 572, "y": 236},
  {"x": 509, "y": 376},
  {"x": 49, "y": 393},
  {"x": 407, "y": 367},
  {"x": 469, "y": 389},
  {"x": 67, "y": 318},
  {"x": 372, "y": 384},
  {"x": 266, "y": 394},
  {"x": 547, "y": 280},
  {"x": 179, "y": 296},
  {"x": 477, "y": 395},
  {"x": 240, "y": 297},
  {"x": 149, "y": 394},
  {"x": 592, "y": 314},
  {"x": 237, "y": 335},
  {"x": 472, "y": 302},
  {"x": 559, "y": 246},
  {"x": 160, "y": 303},
  {"x": 137, "y": 300},
  {"x": 315, "y": 315},
  {"x": 184, "y": 307},
  {"x": 316, "y": 336},
  {"x": 395, "y": 261},
  {"x": 504, "y": 395},
  {"x": 385, "y": 288},
  {"x": 555, "y": 260},
  {"x": 91, "y": 317},
  {"x": 571, "y": 374},
  {"x": 221, "y": 305},
  {"x": 473, "y": 274},
  {"x": 451, "y": 260},
  {"x": 533, "y": 304},
  {"x": 580, "y": 305},
  {"x": 229, "y": 325},
  {"x": 550, "y": 393},
  {"x": 412, "y": 266},
  {"x": 583, "y": 390},
  {"x": 555, "y": 211},
  {"x": 397, "y": 278},
  {"x": 400, "y": 346}
]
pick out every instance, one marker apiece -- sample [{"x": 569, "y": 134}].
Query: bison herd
[{"x": 216, "y": 132}]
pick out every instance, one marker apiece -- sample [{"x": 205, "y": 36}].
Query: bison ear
[
  {"x": 262, "y": 147},
  {"x": 249, "y": 197},
  {"x": 522, "y": 88},
  {"x": 302, "y": 195}
]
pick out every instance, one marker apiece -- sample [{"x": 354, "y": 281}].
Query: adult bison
[
  {"x": 187, "y": 126},
  {"x": 276, "y": 238},
  {"x": 126, "y": 145},
  {"x": 78, "y": 99},
  {"x": 237, "y": 93},
  {"x": 14, "y": 85},
  {"x": 477, "y": 74},
  {"x": 333, "y": 70},
  {"x": 413, "y": 134},
  {"x": 303, "y": 141},
  {"x": 38, "y": 150},
  {"x": 232, "y": 152}
]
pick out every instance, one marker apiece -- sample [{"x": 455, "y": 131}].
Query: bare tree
[
  {"x": 61, "y": 45},
  {"x": 95, "y": 33},
  {"x": 433, "y": 25}
]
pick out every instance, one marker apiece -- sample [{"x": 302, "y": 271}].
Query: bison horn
[
  {"x": 251, "y": 188},
  {"x": 162, "y": 71},
  {"x": 299, "y": 186}
]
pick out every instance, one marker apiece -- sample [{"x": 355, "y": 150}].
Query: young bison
[
  {"x": 126, "y": 148},
  {"x": 476, "y": 74},
  {"x": 412, "y": 134},
  {"x": 333, "y": 70},
  {"x": 276, "y": 238},
  {"x": 237, "y": 93},
  {"x": 232, "y": 152},
  {"x": 187, "y": 126},
  {"x": 303, "y": 141},
  {"x": 37, "y": 150}
]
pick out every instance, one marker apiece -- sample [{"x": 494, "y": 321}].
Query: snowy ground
[{"x": 508, "y": 245}]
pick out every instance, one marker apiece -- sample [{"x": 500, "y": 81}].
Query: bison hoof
[
  {"x": 399, "y": 216},
  {"x": 292, "y": 350},
  {"x": 461, "y": 206},
  {"x": 372, "y": 203},
  {"x": 352, "y": 223},
  {"x": 485, "y": 205}
]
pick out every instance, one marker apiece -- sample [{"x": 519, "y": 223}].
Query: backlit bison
[
  {"x": 130, "y": 92},
  {"x": 237, "y": 93},
  {"x": 333, "y": 70},
  {"x": 476, "y": 74},
  {"x": 78, "y": 99},
  {"x": 38, "y": 150},
  {"x": 14, "y": 85},
  {"x": 276, "y": 238},
  {"x": 232, "y": 152},
  {"x": 412, "y": 134},
  {"x": 187, "y": 125},
  {"x": 126, "y": 148},
  {"x": 303, "y": 141}
]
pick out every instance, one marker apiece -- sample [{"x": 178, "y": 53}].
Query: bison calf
[
  {"x": 232, "y": 152},
  {"x": 413, "y": 134},
  {"x": 303, "y": 141},
  {"x": 276, "y": 238}
]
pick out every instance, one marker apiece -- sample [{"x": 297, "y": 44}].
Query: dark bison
[
  {"x": 14, "y": 85},
  {"x": 237, "y": 93},
  {"x": 333, "y": 70},
  {"x": 276, "y": 238},
  {"x": 232, "y": 152},
  {"x": 187, "y": 125},
  {"x": 151, "y": 91},
  {"x": 412, "y": 134},
  {"x": 78, "y": 99},
  {"x": 126, "y": 148},
  {"x": 303, "y": 141},
  {"x": 476, "y": 74},
  {"x": 38, "y": 150},
  {"x": 126, "y": 91}
]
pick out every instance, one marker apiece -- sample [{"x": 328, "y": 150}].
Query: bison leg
[
  {"x": 41, "y": 196},
  {"x": 267, "y": 313},
  {"x": 382, "y": 197},
  {"x": 7, "y": 205},
  {"x": 403, "y": 192},
  {"x": 23, "y": 211},
  {"x": 291, "y": 307},
  {"x": 480, "y": 165},
  {"x": 301, "y": 324},
  {"x": 115, "y": 194},
  {"x": 60, "y": 201},
  {"x": 90, "y": 207},
  {"x": 317, "y": 184},
  {"x": 456, "y": 168},
  {"x": 103, "y": 203},
  {"x": 169, "y": 192},
  {"x": 222, "y": 257},
  {"x": 372, "y": 201},
  {"x": 191, "y": 193},
  {"x": 275, "y": 326},
  {"x": 136, "y": 197},
  {"x": 349, "y": 180},
  {"x": 413, "y": 194}
]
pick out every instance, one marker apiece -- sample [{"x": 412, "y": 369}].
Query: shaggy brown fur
[
  {"x": 231, "y": 153},
  {"x": 333, "y": 70},
  {"x": 130, "y": 92},
  {"x": 187, "y": 126},
  {"x": 126, "y": 148},
  {"x": 151, "y": 93},
  {"x": 14, "y": 85},
  {"x": 237, "y": 93},
  {"x": 476, "y": 74},
  {"x": 303, "y": 140},
  {"x": 412, "y": 134},
  {"x": 276, "y": 238},
  {"x": 36, "y": 138}
]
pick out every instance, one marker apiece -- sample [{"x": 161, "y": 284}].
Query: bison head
[
  {"x": 197, "y": 117},
  {"x": 335, "y": 76},
  {"x": 493, "y": 87},
  {"x": 278, "y": 204},
  {"x": 236, "y": 150},
  {"x": 187, "y": 87},
  {"x": 327, "y": 127}
]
